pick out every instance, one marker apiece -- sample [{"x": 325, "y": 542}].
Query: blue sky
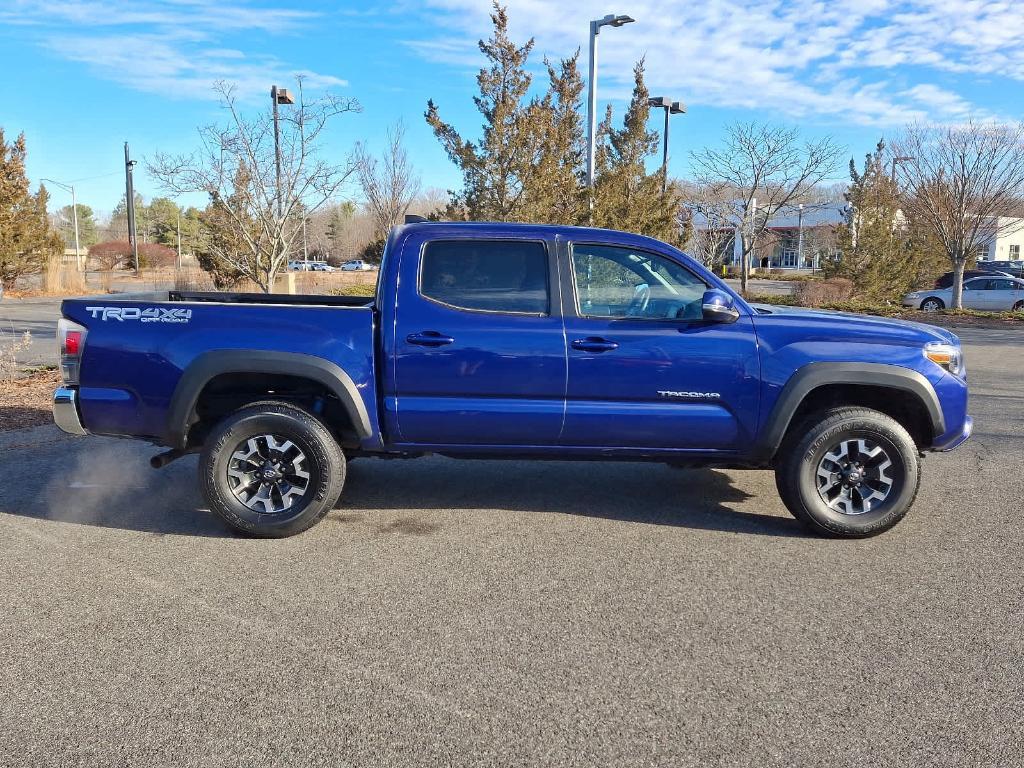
[{"x": 83, "y": 76}]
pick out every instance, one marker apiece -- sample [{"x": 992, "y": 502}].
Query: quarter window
[
  {"x": 612, "y": 281},
  {"x": 487, "y": 275}
]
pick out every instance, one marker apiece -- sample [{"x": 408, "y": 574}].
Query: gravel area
[{"x": 25, "y": 402}]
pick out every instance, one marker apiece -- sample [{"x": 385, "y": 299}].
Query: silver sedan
[{"x": 991, "y": 294}]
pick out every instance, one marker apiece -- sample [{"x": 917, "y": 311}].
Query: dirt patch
[{"x": 26, "y": 402}]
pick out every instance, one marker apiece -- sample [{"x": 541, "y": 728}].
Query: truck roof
[{"x": 515, "y": 229}]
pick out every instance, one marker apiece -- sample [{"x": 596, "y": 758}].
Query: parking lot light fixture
[
  {"x": 671, "y": 108},
  {"x": 74, "y": 215},
  {"x": 611, "y": 20}
]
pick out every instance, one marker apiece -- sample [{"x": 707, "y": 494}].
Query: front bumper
[
  {"x": 959, "y": 439},
  {"x": 65, "y": 411}
]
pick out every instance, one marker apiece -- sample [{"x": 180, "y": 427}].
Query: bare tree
[
  {"x": 963, "y": 184},
  {"x": 389, "y": 185},
  {"x": 235, "y": 166},
  {"x": 765, "y": 166},
  {"x": 712, "y": 210}
]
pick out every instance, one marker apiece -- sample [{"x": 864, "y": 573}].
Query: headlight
[{"x": 949, "y": 356}]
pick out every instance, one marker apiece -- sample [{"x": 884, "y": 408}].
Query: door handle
[
  {"x": 594, "y": 344},
  {"x": 429, "y": 339}
]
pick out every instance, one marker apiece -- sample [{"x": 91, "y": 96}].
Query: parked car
[
  {"x": 1012, "y": 268},
  {"x": 993, "y": 293},
  {"x": 310, "y": 266},
  {"x": 946, "y": 281},
  {"x": 357, "y": 265},
  {"x": 499, "y": 340}
]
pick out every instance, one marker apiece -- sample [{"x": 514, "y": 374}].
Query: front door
[
  {"x": 645, "y": 369},
  {"x": 479, "y": 352}
]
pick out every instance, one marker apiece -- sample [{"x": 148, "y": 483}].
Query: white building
[{"x": 1005, "y": 241}]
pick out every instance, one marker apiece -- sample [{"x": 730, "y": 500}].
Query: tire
[
  {"x": 932, "y": 304},
  {"x": 255, "y": 440},
  {"x": 833, "y": 504},
  {"x": 1019, "y": 306}
]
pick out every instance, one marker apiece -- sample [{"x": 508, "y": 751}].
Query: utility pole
[
  {"x": 179, "y": 239},
  {"x": 130, "y": 199}
]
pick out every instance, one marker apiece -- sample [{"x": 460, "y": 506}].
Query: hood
[{"x": 840, "y": 323}]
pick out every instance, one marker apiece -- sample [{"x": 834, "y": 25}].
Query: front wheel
[
  {"x": 849, "y": 472},
  {"x": 271, "y": 470},
  {"x": 932, "y": 304}
]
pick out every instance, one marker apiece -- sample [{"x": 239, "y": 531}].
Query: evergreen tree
[
  {"x": 556, "y": 187},
  {"x": 87, "y": 234},
  {"x": 625, "y": 195},
  {"x": 26, "y": 238},
  {"x": 225, "y": 236},
  {"x": 495, "y": 169},
  {"x": 880, "y": 251}
]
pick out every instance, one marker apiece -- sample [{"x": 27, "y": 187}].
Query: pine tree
[
  {"x": 27, "y": 239},
  {"x": 625, "y": 195},
  {"x": 555, "y": 190},
  {"x": 496, "y": 168},
  {"x": 880, "y": 251}
]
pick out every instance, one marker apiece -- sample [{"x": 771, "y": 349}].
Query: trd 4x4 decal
[{"x": 147, "y": 315}]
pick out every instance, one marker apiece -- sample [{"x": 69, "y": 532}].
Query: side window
[
  {"x": 977, "y": 284},
  {"x": 487, "y": 275},
  {"x": 1001, "y": 285},
  {"x": 612, "y": 281}
]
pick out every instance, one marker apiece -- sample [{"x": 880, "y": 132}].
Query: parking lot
[{"x": 511, "y": 613}]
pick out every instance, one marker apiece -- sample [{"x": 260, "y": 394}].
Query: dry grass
[{"x": 26, "y": 402}]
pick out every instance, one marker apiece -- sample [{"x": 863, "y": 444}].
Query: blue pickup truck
[{"x": 513, "y": 340}]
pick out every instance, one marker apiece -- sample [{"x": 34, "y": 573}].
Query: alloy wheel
[
  {"x": 268, "y": 474},
  {"x": 853, "y": 477}
]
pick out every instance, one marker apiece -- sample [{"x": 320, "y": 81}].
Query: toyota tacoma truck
[{"x": 492, "y": 340}]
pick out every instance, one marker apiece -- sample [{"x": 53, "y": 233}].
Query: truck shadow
[
  {"x": 110, "y": 485},
  {"x": 634, "y": 492}
]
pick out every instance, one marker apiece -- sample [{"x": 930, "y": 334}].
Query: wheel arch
[
  {"x": 916, "y": 405},
  {"x": 209, "y": 365}
]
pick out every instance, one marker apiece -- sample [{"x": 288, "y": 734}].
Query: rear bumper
[
  {"x": 958, "y": 439},
  {"x": 65, "y": 411}
]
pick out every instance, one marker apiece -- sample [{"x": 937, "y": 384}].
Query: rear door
[
  {"x": 976, "y": 293},
  {"x": 479, "y": 349},
  {"x": 645, "y": 370},
  {"x": 1002, "y": 294}
]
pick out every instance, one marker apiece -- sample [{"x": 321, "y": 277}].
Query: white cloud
[
  {"x": 171, "y": 47},
  {"x": 871, "y": 62}
]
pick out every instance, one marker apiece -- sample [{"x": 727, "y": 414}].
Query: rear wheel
[
  {"x": 849, "y": 472},
  {"x": 1019, "y": 306},
  {"x": 271, "y": 470},
  {"x": 932, "y": 304}
]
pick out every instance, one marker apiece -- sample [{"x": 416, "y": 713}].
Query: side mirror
[{"x": 717, "y": 307}]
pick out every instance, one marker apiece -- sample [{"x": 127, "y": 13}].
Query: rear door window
[{"x": 507, "y": 276}]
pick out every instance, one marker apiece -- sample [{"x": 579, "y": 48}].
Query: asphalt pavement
[{"x": 511, "y": 613}]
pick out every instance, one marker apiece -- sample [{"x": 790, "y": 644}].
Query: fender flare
[
  {"x": 815, "y": 375},
  {"x": 219, "y": 361}
]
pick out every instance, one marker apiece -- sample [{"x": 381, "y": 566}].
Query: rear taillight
[{"x": 70, "y": 344}]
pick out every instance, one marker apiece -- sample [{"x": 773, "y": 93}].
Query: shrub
[{"x": 817, "y": 293}]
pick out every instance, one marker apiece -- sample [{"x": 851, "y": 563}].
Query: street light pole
[
  {"x": 800, "y": 238},
  {"x": 74, "y": 215},
  {"x": 595, "y": 29},
  {"x": 130, "y": 200},
  {"x": 278, "y": 96},
  {"x": 671, "y": 108}
]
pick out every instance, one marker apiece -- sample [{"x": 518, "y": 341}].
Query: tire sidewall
[
  {"x": 325, "y": 464},
  {"x": 940, "y": 304},
  {"x": 904, "y": 470}
]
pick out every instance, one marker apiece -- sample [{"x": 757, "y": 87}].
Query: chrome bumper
[{"x": 65, "y": 411}]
